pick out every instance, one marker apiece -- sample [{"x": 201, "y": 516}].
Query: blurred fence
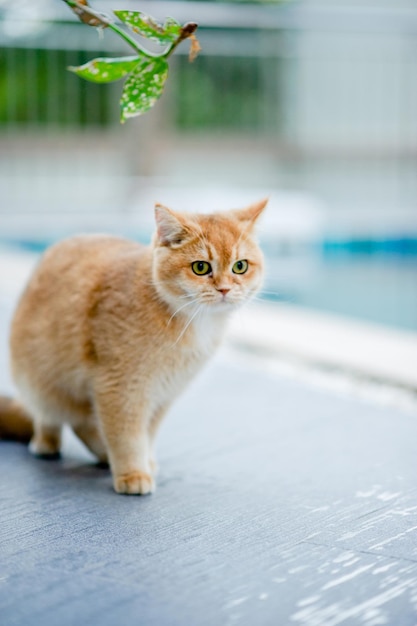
[{"x": 320, "y": 100}]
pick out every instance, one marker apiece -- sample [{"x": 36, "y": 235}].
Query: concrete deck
[{"x": 278, "y": 503}]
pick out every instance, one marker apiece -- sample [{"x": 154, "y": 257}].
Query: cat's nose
[{"x": 224, "y": 290}]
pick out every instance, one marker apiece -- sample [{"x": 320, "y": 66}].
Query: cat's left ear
[
  {"x": 171, "y": 227},
  {"x": 251, "y": 214}
]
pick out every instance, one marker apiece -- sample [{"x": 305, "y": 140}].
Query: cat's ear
[
  {"x": 171, "y": 228},
  {"x": 251, "y": 214}
]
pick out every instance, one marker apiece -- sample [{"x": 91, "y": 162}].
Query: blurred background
[{"x": 313, "y": 103}]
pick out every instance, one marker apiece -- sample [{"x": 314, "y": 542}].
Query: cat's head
[{"x": 208, "y": 261}]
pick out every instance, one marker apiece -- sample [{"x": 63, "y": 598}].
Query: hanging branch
[{"x": 145, "y": 72}]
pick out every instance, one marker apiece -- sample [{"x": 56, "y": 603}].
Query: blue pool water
[
  {"x": 367, "y": 280},
  {"x": 368, "y": 287}
]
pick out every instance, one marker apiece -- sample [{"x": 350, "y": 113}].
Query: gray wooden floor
[{"x": 277, "y": 504}]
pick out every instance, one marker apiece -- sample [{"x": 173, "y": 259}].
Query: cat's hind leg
[
  {"x": 46, "y": 440},
  {"x": 90, "y": 435},
  {"x": 50, "y": 411},
  {"x": 46, "y": 420}
]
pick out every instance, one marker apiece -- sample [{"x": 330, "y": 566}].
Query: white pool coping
[{"x": 364, "y": 349}]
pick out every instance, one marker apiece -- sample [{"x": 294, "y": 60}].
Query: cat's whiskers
[
  {"x": 182, "y": 333},
  {"x": 180, "y": 309},
  {"x": 187, "y": 295}
]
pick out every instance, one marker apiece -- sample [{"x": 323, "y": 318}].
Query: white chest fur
[
  {"x": 182, "y": 361},
  {"x": 208, "y": 331}
]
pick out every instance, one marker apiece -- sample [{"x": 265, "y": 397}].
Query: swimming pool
[
  {"x": 373, "y": 281},
  {"x": 377, "y": 286}
]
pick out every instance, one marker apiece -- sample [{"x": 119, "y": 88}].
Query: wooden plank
[{"x": 276, "y": 504}]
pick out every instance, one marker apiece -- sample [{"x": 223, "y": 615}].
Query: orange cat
[{"x": 108, "y": 332}]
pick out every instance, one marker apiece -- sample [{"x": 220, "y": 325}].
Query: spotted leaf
[
  {"x": 106, "y": 70},
  {"x": 143, "y": 87},
  {"x": 148, "y": 27}
]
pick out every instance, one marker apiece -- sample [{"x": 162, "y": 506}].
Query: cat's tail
[{"x": 15, "y": 421}]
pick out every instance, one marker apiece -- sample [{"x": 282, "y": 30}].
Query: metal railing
[{"x": 294, "y": 96}]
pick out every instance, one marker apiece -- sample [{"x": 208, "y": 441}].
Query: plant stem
[
  {"x": 98, "y": 19},
  {"x": 186, "y": 31},
  {"x": 91, "y": 17},
  {"x": 129, "y": 40}
]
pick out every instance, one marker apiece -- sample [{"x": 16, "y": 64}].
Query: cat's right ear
[
  {"x": 170, "y": 229},
  {"x": 252, "y": 212}
]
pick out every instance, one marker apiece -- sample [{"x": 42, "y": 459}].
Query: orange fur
[
  {"x": 108, "y": 332},
  {"x": 15, "y": 422}
]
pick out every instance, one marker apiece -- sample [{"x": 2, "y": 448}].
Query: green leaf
[
  {"x": 143, "y": 87},
  {"x": 106, "y": 70},
  {"x": 148, "y": 27}
]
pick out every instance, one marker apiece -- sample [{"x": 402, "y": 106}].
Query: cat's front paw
[{"x": 134, "y": 483}]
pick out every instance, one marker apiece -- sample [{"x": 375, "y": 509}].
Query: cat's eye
[
  {"x": 240, "y": 267},
  {"x": 201, "y": 268}
]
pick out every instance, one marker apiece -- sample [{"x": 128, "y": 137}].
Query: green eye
[
  {"x": 201, "y": 267},
  {"x": 240, "y": 267}
]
